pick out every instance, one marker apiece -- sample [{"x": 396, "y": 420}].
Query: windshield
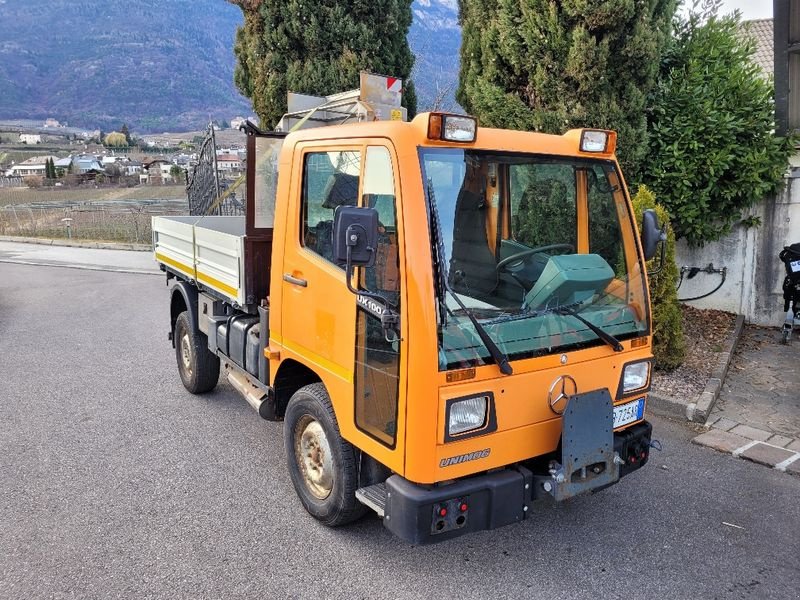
[{"x": 528, "y": 241}]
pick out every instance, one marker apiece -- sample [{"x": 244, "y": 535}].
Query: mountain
[
  {"x": 159, "y": 64},
  {"x": 435, "y": 39}
]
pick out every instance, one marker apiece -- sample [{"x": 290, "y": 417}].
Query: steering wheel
[{"x": 503, "y": 264}]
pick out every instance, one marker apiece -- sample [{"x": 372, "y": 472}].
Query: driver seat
[{"x": 473, "y": 266}]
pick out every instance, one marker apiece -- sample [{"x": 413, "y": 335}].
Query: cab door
[
  {"x": 318, "y": 312},
  {"x": 321, "y": 325}
]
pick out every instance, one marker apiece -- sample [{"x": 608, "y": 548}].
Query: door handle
[{"x": 295, "y": 280}]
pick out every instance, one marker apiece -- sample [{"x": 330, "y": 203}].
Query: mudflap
[{"x": 588, "y": 459}]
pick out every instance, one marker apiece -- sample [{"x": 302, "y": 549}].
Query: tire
[
  {"x": 322, "y": 465},
  {"x": 197, "y": 366}
]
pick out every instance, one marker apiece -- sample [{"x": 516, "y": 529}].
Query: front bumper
[{"x": 429, "y": 514}]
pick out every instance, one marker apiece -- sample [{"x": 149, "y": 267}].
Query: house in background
[
  {"x": 156, "y": 172},
  {"x": 32, "y": 166},
  {"x": 86, "y": 164},
  {"x": 229, "y": 164},
  {"x": 131, "y": 168},
  {"x": 30, "y": 138},
  {"x": 63, "y": 164}
]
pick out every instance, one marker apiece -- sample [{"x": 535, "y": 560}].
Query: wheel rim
[
  {"x": 313, "y": 455},
  {"x": 186, "y": 353}
]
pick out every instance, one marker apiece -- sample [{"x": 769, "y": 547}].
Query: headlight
[
  {"x": 466, "y": 415},
  {"x": 635, "y": 376}
]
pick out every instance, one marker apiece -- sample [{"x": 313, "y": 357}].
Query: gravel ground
[{"x": 705, "y": 332}]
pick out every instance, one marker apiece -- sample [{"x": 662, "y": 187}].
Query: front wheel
[
  {"x": 197, "y": 365},
  {"x": 321, "y": 464}
]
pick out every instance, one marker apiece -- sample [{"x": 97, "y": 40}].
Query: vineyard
[{"x": 115, "y": 214}]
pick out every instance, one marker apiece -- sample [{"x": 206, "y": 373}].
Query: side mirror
[
  {"x": 355, "y": 236},
  {"x": 652, "y": 234}
]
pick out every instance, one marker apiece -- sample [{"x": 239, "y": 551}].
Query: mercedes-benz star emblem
[{"x": 560, "y": 391}]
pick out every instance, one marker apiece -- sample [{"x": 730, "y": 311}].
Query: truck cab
[{"x": 452, "y": 321}]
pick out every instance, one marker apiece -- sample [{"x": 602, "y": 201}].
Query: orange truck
[{"x": 451, "y": 321}]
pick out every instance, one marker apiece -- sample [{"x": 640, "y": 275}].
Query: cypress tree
[
  {"x": 319, "y": 47},
  {"x": 551, "y": 65}
]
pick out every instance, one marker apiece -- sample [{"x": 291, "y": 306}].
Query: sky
[{"x": 750, "y": 9}]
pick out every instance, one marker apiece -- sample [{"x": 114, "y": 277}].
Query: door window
[
  {"x": 330, "y": 179},
  {"x": 377, "y": 366}
]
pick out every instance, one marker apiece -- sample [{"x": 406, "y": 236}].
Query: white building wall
[{"x": 753, "y": 285}]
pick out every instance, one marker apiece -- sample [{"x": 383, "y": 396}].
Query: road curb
[
  {"x": 667, "y": 407},
  {"x": 77, "y": 243},
  {"x": 698, "y": 410},
  {"x": 80, "y": 267}
]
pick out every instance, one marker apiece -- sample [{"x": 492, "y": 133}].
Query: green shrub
[
  {"x": 669, "y": 347},
  {"x": 713, "y": 152}
]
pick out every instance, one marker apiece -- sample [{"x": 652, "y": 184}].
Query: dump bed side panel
[
  {"x": 207, "y": 250},
  {"x": 219, "y": 255},
  {"x": 173, "y": 242}
]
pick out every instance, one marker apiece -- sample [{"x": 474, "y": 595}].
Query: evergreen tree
[
  {"x": 126, "y": 132},
  {"x": 551, "y": 66},
  {"x": 319, "y": 47}
]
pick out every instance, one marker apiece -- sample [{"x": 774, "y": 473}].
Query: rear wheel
[
  {"x": 321, "y": 464},
  {"x": 197, "y": 366}
]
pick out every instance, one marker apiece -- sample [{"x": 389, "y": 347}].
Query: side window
[
  {"x": 378, "y": 360},
  {"x": 605, "y": 236},
  {"x": 378, "y": 193},
  {"x": 330, "y": 179}
]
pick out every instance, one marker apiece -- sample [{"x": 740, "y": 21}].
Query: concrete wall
[{"x": 755, "y": 274}]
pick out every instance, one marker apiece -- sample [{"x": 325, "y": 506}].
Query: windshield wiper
[
  {"x": 499, "y": 357},
  {"x": 603, "y": 335}
]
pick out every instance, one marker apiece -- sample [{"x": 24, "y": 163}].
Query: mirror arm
[{"x": 663, "y": 240}]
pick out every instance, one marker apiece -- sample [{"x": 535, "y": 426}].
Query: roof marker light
[
  {"x": 594, "y": 140},
  {"x": 452, "y": 128}
]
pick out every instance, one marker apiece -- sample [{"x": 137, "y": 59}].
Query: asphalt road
[{"x": 116, "y": 483}]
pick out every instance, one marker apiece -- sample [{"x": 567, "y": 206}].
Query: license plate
[
  {"x": 628, "y": 413},
  {"x": 795, "y": 266}
]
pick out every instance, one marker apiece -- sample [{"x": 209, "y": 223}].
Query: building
[
  {"x": 229, "y": 163},
  {"x": 237, "y": 122},
  {"x": 63, "y": 164},
  {"x": 110, "y": 159},
  {"x": 131, "y": 168},
  {"x": 32, "y": 166},
  {"x": 30, "y": 138},
  {"x": 156, "y": 172},
  {"x": 786, "y": 67},
  {"x": 87, "y": 164},
  {"x": 53, "y": 123}
]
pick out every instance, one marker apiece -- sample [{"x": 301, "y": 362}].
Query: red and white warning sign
[{"x": 394, "y": 84}]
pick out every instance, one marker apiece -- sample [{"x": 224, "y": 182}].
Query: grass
[{"x": 9, "y": 196}]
